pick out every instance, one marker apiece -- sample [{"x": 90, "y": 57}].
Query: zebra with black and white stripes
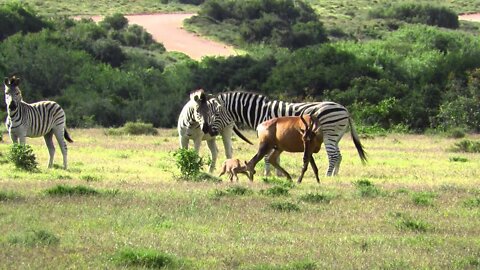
[
  {"x": 44, "y": 118},
  {"x": 252, "y": 109},
  {"x": 194, "y": 124}
]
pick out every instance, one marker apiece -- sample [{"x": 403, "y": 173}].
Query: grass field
[{"x": 120, "y": 205}]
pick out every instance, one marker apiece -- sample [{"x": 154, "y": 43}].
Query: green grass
[
  {"x": 64, "y": 190},
  {"x": 120, "y": 206},
  {"x": 146, "y": 258}
]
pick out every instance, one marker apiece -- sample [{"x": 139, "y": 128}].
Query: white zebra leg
[
  {"x": 333, "y": 155},
  {"x": 197, "y": 142},
  {"x": 51, "y": 148},
  {"x": 337, "y": 164},
  {"x": 227, "y": 141},
  {"x": 63, "y": 146},
  {"x": 278, "y": 171},
  {"x": 267, "y": 166},
  {"x": 184, "y": 142},
  {"x": 14, "y": 138},
  {"x": 212, "y": 145}
]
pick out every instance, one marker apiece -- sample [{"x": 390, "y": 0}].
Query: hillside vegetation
[{"x": 420, "y": 72}]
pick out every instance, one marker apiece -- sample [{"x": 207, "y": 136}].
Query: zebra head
[
  {"x": 13, "y": 95},
  {"x": 201, "y": 110},
  {"x": 219, "y": 117}
]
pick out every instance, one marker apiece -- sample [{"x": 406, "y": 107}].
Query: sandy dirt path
[
  {"x": 168, "y": 29},
  {"x": 474, "y": 17}
]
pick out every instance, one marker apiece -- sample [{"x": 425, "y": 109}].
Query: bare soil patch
[
  {"x": 168, "y": 29},
  {"x": 474, "y": 17}
]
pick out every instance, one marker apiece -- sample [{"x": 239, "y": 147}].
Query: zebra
[
  {"x": 44, "y": 118},
  {"x": 193, "y": 124},
  {"x": 251, "y": 109}
]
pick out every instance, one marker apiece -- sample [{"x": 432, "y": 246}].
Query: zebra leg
[
  {"x": 14, "y": 138},
  {"x": 184, "y": 142},
  {"x": 51, "y": 148},
  {"x": 267, "y": 164},
  {"x": 227, "y": 141},
  {"x": 212, "y": 145},
  {"x": 333, "y": 153},
  {"x": 336, "y": 168},
  {"x": 63, "y": 145}
]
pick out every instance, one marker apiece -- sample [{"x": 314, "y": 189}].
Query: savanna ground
[{"x": 415, "y": 205}]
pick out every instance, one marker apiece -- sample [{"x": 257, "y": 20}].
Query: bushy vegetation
[
  {"x": 133, "y": 128},
  {"x": 146, "y": 258},
  {"x": 419, "y": 13},
  {"x": 66, "y": 190},
  {"x": 189, "y": 162},
  {"x": 23, "y": 157},
  {"x": 416, "y": 77},
  {"x": 284, "y": 23}
]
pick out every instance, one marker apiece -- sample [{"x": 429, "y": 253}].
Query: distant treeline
[{"x": 105, "y": 74}]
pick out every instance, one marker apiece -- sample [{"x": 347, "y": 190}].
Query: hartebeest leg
[
  {"x": 315, "y": 169},
  {"x": 273, "y": 160}
]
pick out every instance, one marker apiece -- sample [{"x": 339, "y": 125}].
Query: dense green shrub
[
  {"x": 189, "y": 162},
  {"x": 419, "y": 13},
  {"x": 23, "y": 157},
  {"x": 116, "y": 22},
  {"x": 285, "y": 23},
  {"x": 133, "y": 128},
  {"x": 17, "y": 17}
]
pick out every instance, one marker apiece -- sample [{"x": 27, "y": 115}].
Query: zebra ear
[
  {"x": 16, "y": 81},
  {"x": 6, "y": 81}
]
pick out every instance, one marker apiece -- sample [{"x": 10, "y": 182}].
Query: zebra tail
[
  {"x": 67, "y": 136},
  {"x": 356, "y": 141},
  {"x": 239, "y": 134}
]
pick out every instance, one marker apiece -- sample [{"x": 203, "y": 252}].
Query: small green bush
[
  {"x": 23, "y": 157},
  {"x": 35, "y": 238},
  {"x": 189, "y": 162},
  {"x": 317, "y": 197},
  {"x": 63, "y": 190},
  {"x": 133, "y": 128},
  {"x": 467, "y": 146},
  {"x": 285, "y": 207},
  {"x": 238, "y": 190},
  {"x": 456, "y": 133},
  {"x": 146, "y": 258}
]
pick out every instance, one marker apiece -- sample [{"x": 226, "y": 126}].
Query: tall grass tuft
[
  {"x": 63, "y": 190},
  {"x": 278, "y": 181},
  {"x": 367, "y": 188},
  {"x": 406, "y": 222},
  {"x": 23, "y": 157},
  {"x": 467, "y": 146},
  {"x": 146, "y": 258},
  {"x": 35, "y": 238},
  {"x": 317, "y": 197},
  {"x": 275, "y": 191},
  {"x": 232, "y": 191},
  {"x": 472, "y": 202},
  {"x": 423, "y": 198},
  {"x": 9, "y": 196},
  {"x": 285, "y": 207}
]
